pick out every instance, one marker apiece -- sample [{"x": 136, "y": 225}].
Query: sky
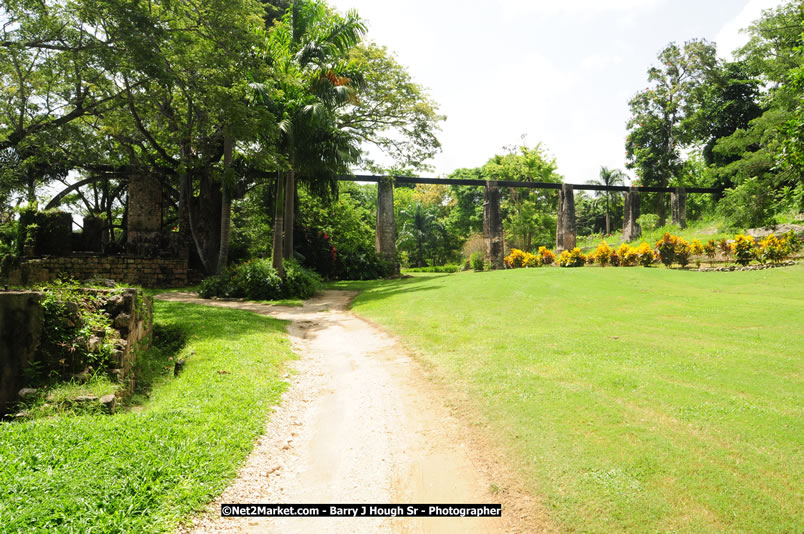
[{"x": 559, "y": 72}]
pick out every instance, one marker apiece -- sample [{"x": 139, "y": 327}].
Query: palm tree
[
  {"x": 609, "y": 177},
  {"x": 315, "y": 82},
  {"x": 418, "y": 230}
]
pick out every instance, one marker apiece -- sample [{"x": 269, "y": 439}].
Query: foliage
[
  {"x": 648, "y": 221},
  {"x": 609, "y": 177},
  {"x": 743, "y": 249},
  {"x": 258, "y": 280},
  {"x": 518, "y": 258},
  {"x": 477, "y": 261},
  {"x": 448, "y": 268},
  {"x": 336, "y": 238},
  {"x": 667, "y": 249},
  {"x": 72, "y": 316},
  {"x": 659, "y": 126},
  {"x": 771, "y": 249},
  {"x": 571, "y": 258},
  {"x": 645, "y": 254},
  {"x": 682, "y": 252},
  {"x": 547, "y": 256},
  {"x": 710, "y": 249},
  {"x": 628, "y": 255},
  {"x": 696, "y": 249},
  {"x": 602, "y": 254}
]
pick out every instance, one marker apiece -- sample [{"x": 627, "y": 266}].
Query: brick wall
[{"x": 146, "y": 272}]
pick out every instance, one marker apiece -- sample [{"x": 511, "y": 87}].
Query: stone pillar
[
  {"x": 492, "y": 225},
  {"x": 144, "y": 210},
  {"x": 631, "y": 229},
  {"x": 385, "y": 242},
  {"x": 678, "y": 207},
  {"x": 565, "y": 221},
  {"x": 21, "y": 323}
]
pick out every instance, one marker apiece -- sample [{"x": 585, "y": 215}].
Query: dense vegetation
[
  {"x": 247, "y": 111},
  {"x": 646, "y": 400}
]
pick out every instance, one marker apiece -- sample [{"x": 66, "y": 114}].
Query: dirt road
[{"x": 360, "y": 423}]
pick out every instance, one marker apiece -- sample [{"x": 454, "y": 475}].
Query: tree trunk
[
  {"x": 185, "y": 186},
  {"x": 608, "y": 221},
  {"x": 226, "y": 204},
  {"x": 279, "y": 207},
  {"x": 290, "y": 219}
]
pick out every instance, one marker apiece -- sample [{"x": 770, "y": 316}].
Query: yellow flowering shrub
[
  {"x": 547, "y": 255},
  {"x": 645, "y": 255},
  {"x": 628, "y": 255},
  {"x": 602, "y": 254},
  {"x": 515, "y": 259},
  {"x": 572, "y": 258},
  {"x": 743, "y": 248},
  {"x": 772, "y": 249},
  {"x": 519, "y": 258},
  {"x": 710, "y": 249},
  {"x": 682, "y": 251},
  {"x": 667, "y": 249}
]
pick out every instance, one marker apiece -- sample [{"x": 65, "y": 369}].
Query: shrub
[
  {"x": 477, "y": 261},
  {"x": 725, "y": 248},
  {"x": 602, "y": 254},
  {"x": 572, "y": 258},
  {"x": 743, "y": 249},
  {"x": 667, "y": 249},
  {"x": 448, "y": 268},
  {"x": 628, "y": 255},
  {"x": 615, "y": 259},
  {"x": 648, "y": 221},
  {"x": 710, "y": 249},
  {"x": 258, "y": 280},
  {"x": 771, "y": 249},
  {"x": 645, "y": 255},
  {"x": 533, "y": 260},
  {"x": 682, "y": 251},
  {"x": 548, "y": 257},
  {"x": 792, "y": 243},
  {"x": 515, "y": 259}
]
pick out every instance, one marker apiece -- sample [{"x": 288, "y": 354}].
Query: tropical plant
[
  {"x": 608, "y": 178},
  {"x": 743, "y": 249},
  {"x": 420, "y": 227}
]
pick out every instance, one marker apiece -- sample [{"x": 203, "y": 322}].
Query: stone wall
[
  {"x": 147, "y": 272},
  {"x": 21, "y": 322},
  {"x": 22, "y": 328}
]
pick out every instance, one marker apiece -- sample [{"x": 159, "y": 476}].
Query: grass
[
  {"x": 647, "y": 400},
  {"x": 144, "y": 469}
]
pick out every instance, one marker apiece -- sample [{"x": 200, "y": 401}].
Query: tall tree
[
  {"x": 609, "y": 177},
  {"x": 659, "y": 125}
]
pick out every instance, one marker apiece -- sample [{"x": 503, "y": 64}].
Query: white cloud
[
  {"x": 600, "y": 62},
  {"x": 730, "y": 36}
]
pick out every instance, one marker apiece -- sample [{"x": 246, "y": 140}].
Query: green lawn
[
  {"x": 145, "y": 469},
  {"x": 648, "y": 400}
]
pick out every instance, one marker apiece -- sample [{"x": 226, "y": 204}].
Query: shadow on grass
[
  {"x": 374, "y": 290},
  {"x": 175, "y": 323}
]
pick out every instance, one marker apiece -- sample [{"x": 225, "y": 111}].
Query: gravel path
[{"x": 360, "y": 423}]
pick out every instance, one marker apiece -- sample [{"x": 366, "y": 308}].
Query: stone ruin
[{"x": 22, "y": 332}]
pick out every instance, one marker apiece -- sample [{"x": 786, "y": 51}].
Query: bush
[
  {"x": 477, "y": 261},
  {"x": 667, "y": 249},
  {"x": 771, "y": 249},
  {"x": 518, "y": 258},
  {"x": 572, "y": 258},
  {"x": 602, "y": 254},
  {"x": 258, "y": 280},
  {"x": 448, "y": 268},
  {"x": 645, "y": 255},
  {"x": 743, "y": 249},
  {"x": 792, "y": 243},
  {"x": 548, "y": 257},
  {"x": 628, "y": 255},
  {"x": 682, "y": 252},
  {"x": 710, "y": 249},
  {"x": 648, "y": 221}
]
